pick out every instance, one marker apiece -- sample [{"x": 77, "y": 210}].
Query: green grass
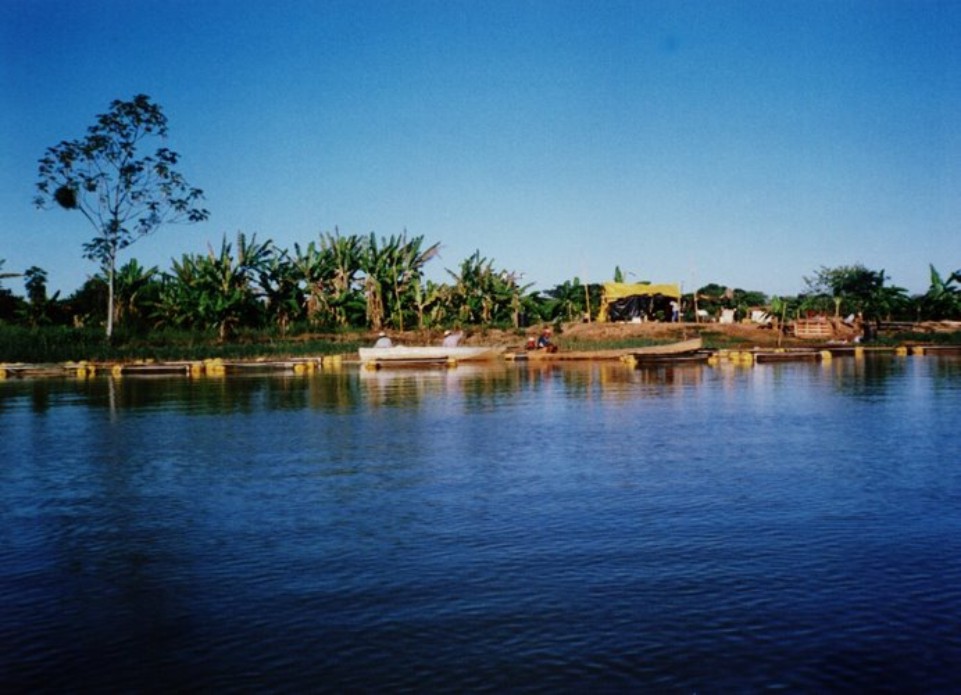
[{"x": 56, "y": 344}]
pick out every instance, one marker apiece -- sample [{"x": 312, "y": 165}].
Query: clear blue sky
[{"x": 743, "y": 143}]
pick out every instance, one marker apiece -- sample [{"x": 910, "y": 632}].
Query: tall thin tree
[{"x": 124, "y": 194}]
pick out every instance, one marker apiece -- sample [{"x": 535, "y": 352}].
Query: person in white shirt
[{"x": 451, "y": 339}]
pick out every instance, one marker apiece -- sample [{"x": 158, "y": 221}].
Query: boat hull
[
  {"x": 661, "y": 360},
  {"x": 684, "y": 347},
  {"x": 409, "y": 355}
]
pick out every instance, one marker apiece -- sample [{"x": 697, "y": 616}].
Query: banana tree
[
  {"x": 329, "y": 271},
  {"x": 943, "y": 298},
  {"x": 567, "y": 301},
  {"x": 135, "y": 289},
  {"x": 393, "y": 269},
  {"x": 470, "y": 292},
  {"x": 407, "y": 271},
  {"x": 216, "y": 290},
  {"x": 280, "y": 285}
]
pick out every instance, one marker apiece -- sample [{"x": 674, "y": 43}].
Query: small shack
[{"x": 621, "y": 301}]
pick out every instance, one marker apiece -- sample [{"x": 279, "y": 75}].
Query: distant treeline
[{"x": 365, "y": 282}]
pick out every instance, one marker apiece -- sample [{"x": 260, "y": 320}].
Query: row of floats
[
  {"x": 310, "y": 365},
  {"x": 770, "y": 356},
  {"x": 194, "y": 368}
]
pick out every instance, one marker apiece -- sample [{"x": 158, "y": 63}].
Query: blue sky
[{"x": 743, "y": 143}]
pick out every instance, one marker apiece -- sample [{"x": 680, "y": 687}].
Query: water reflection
[
  {"x": 520, "y": 527},
  {"x": 348, "y": 389}
]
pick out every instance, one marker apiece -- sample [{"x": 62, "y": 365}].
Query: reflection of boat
[
  {"x": 568, "y": 355},
  {"x": 421, "y": 356}
]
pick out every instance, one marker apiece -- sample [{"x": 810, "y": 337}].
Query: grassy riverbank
[{"x": 60, "y": 344}]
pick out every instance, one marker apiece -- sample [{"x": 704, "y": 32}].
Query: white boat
[{"x": 415, "y": 355}]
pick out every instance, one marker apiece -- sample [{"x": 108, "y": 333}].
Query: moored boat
[
  {"x": 425, "y": 355},
  {"x": 680, "y": 348},
  {"x": 699, "y": 357},
  {"x": 683, "y": 347}
]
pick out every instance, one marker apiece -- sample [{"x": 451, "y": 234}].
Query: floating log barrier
[{"x": 764, "y": 357}]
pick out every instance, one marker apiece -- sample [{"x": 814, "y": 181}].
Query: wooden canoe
[
  {"x": 684, "y": 347},
  {"x": 668, "y": 360},
  {"x": 680, "y": 348}
]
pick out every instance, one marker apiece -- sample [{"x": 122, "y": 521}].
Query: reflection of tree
[{"x": 868, "y": 377}]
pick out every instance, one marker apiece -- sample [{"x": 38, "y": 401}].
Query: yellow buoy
[
  {"x": 900, "y": 351},
  {"x": 84, "y": 369},
  {"x": 215, "y": 367},
  {"x": 331, "y": 361}
]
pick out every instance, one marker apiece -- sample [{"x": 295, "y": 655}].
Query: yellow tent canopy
[{"x": 621, "y": 293}]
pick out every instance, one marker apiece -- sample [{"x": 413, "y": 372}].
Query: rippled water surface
[{"x": 707, "y": 529}]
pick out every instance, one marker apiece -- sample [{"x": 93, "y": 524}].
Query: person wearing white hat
[{"x": 451, "y": 339}]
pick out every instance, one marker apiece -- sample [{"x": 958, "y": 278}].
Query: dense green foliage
[
  {"x": 335, "y": 283},
  {"x": 49, "y": 344},
  {"x": 349, "y": 283}
]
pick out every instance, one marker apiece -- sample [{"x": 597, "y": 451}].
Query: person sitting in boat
[
  {"x": 544, "y": 341},
  {"x": 451, "y": 339},
  {"x": 383, "y": 341}
]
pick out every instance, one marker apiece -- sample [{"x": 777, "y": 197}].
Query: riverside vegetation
[{"x": 252, "y": 298}]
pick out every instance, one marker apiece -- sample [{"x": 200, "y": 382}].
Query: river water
[{"x": 521, "y": 528}]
